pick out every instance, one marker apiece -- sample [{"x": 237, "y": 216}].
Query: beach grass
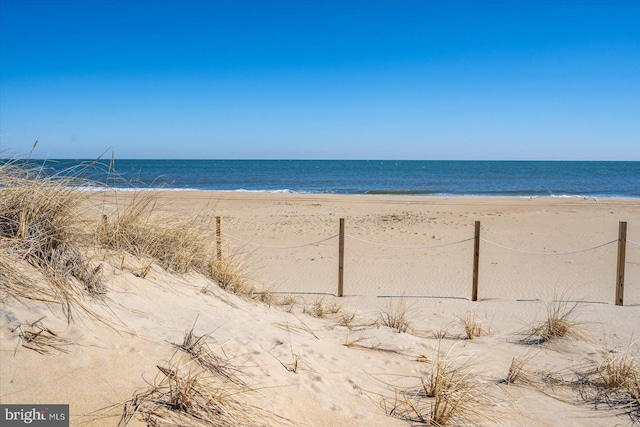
[
  {"x": 177, "y": 242},
  {"x": 39, "y": 338},
  {"x": 140, "y": 228},
  {"x": 41, "y": 225},
  {"x": 321, "y": 308},
  {"x": 560, "y": 322},
  {"x": 614, "y": 384},
  {"x": 472, "y": 326},
  {"x": 183, "y": 396},
  {"x": 395, "y": 316},
  {"x": 518, "y": 372},
  {"x": 448, "y": 394},
  {"x": 206, "y": 389},
  {"x": 44, "y": 242}
]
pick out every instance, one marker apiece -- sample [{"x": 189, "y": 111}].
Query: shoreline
[{"x": 372, "y": 193}]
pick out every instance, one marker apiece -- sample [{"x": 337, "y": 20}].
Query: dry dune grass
[
  {"x": 473, "y": 327},
  {"x": 37, "y": 337},
  {"x": 180, "y": 396},
  {"x": 517, "y": 373},
  {"x": 203, "y": 391},
  {"x": 177, "y": 242},
  {"x": 197, "y": 346},
  {"x": 233, "y": 275},
  {"x": 395, "y": 316},
  {"x": 39, "y": 224},
  {"x": 560, "y": 322},
  {"x": 321, "y": 308},
  {"x": 448, "y": 394},
  {"x": 42, "y": 227},
  {"x": 289, "y": 302},
  {"x": 265, "y": 296},
  {"x": 16, "y": 281},
  {"x": 614, "y": 383}
]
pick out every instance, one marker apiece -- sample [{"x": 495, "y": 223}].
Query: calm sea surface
[{"x": 450, "y": 178}]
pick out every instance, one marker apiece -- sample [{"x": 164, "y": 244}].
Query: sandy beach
[{"x": 344, "y": 366}]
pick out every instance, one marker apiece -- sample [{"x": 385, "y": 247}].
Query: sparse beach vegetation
[{"x": 59, "y": 247}]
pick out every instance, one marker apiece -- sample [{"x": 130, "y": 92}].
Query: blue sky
[{"x": 540, "y": 80}]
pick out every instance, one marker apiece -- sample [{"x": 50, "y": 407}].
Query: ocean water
[{"x": 441, "y": 178}]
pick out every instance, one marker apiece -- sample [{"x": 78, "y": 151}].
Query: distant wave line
[{"x": 437, "y": 193}]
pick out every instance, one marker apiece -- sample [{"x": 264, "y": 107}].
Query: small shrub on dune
[
  {"x": 289, "y": 302},
  {"x": 197, "y": 346},
  {"x": 186, "y": 397},
  {"x": 266, "y": 296},
  {"x": 347, "y": 318}
]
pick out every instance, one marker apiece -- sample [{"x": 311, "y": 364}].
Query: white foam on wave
[{"x": 241, "y": 190}]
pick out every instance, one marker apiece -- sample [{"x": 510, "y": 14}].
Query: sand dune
[{"x": 347, "y": 367}]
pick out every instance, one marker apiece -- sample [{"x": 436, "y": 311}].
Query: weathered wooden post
[
  {"x": 476, "y": 259},
  {"x": 622, "y": 249},
  {"x": 341, "y": 259},
  {"x": 218, "y": 239}
]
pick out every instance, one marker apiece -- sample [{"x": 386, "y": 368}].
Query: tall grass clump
[
  {"x": 517, "y": 374},
  {"x": 395, "y": 316},
  {"x": 472, "y": 326},
  {"x": 178, "y": 243},
  {"x": 448, "y": 394},
  {"x": 40, "y": 224},
  {"x": 140, "y": 229},
  {"x": 560, "y": 322}
]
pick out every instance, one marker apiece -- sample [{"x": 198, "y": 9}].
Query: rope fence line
[
  {"x": 246, "y": 242},
  {"x": 279, "y": 247},
  {"x": 426, "y": 246},
  {"x": 407, "y": 247},
  {"x": 548, "y": 253},
  {"x": 621, "y": 241}
]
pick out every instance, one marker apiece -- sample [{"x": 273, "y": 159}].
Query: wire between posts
[
  {"x": 278, "y": 247},
  {"x": 633, "y": 243},
  {"x": 548, "y": 253},
  {"x": 407, "y": 247}
]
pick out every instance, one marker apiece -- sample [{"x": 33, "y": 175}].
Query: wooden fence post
[
  {"x": 341, "y": 258},
  {"x": 476, "y": 259},
  {"x": 218, "y": 239},
  {"x": 622, "y": 249}
]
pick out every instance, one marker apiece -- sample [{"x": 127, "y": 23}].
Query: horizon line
[{"x": 101, "y": 158}]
